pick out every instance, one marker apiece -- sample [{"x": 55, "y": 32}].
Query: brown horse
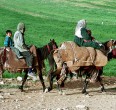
[
  {"x": 9, "y": 61},
  {"x": 84, "y": 60}
]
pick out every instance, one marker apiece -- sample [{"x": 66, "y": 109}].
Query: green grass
[{"x": 48, "y": 19}]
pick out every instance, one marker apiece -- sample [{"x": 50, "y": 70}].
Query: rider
[
  {"x": 9, "y": 43},
  {"x": 19, "y": 43},
  {"x": 83, "y": 36}
]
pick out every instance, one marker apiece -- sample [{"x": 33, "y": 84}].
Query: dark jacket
[{"x": 86, "y": 40}]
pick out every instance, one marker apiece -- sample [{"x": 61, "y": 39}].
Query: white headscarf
[
  {"x": 80, "y": 24},
  {"x": 20, "y": 27}
]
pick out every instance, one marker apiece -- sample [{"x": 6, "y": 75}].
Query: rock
[
  {"x": 82, "y": 107},
  {"x": 1, "y": 97},
  {"x": 34, "y": 79},
  {"x": 59, "y": 109},
  {"x": 7, "y": 94},
  {"x": 1, "y": 82},
  {"x": 19, "y": 78},
  {"x": 10, "y": 79}
]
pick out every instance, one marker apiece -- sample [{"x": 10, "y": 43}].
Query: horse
[
  {"x": 9, "y": 61},
  {"x": 92, "y": 67}
]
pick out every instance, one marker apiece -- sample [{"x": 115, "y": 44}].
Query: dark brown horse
[
  {"x": 9, "y": 61},
  {"x": 91, "y": 72}
]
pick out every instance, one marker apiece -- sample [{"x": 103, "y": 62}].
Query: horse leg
[
  {"x": 85, "y": 86},
  {"x": 1, "y": 71},
  {"x": 51, "y": 74},
  {"x": 60, "y": 84},
  {"x": 51, "y": 77},
  {"x": 59, "y": 89},
  {"x": 101, "y": 84},
  {"x": 24, "y": 80},
  {"x": 102, "y": 87},
  {"x": 41, "y": 79},
  {"x": 100, "y": 80},
  {"x": 1, "y": 74}
]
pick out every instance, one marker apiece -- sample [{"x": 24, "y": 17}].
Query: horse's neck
[{"x": 43, "y": 51}]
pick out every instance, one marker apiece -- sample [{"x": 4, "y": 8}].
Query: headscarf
[
  {"x": 21, "y": 27},
  {"x": 80, "y": 24}
]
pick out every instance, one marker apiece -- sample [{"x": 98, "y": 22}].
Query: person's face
[{"x": 9, "y": 34}]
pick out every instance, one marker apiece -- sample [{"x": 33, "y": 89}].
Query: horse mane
[
  {"x": 105, "y": 45},
  {"x": 43, "y": 52},
  {"x": 46, "y": 49}
]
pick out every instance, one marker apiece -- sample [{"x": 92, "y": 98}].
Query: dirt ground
[{"x": 34, "y": 99}]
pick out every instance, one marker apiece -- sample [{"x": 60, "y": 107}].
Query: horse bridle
[
  {"x": 53, "y": 46},
  {"x": 112, "y": 46},
  {"x": 48, "y": 47}
]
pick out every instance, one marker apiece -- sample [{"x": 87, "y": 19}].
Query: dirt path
[{"x": 34, "y": 99}]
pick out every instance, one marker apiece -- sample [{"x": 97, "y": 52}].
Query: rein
[
  {"x": 48, "y": 47},
  {"x": 46, "y": 50}
]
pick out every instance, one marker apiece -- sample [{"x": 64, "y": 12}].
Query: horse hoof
[
  {"x": 49, "y": 89},
  {"x": 84, "y": 92},
  {"x": 103, "y": 90},
  {"x": 21, "y": 88},
  {"x": 46, "y": 90},
  {"x": 60, "y": 92},
  {"x": 63, "y": 93}
]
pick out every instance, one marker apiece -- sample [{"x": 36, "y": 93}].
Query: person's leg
[
  {"x": 92, "y": 44},
  {"x": 95, "y": 45},
  {"x": 17, "y": 52},
  {"x": 29, "y": 60}
]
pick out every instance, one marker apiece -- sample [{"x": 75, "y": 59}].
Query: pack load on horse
[
  {"x": 85, "y": 54},
  {"x": 88, "y": 60}
]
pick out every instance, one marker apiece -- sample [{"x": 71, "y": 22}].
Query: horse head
[
  {"x": 109, "y": 45},
  {"x": 47, "y": 49},
  {"x": 52, "y": 45},
  {"x": 110, "y": 48}
]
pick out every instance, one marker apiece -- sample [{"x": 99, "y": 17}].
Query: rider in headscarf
[
  {"x": 83, "y": 36},
  {"x": 19, "y": 43}
]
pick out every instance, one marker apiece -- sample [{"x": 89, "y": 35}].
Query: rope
[
  {"x": 92, "y": 60},
  {"x": 74, "y": 55}
]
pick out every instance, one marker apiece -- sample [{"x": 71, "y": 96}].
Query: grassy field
[{"x": 56, "y": 19}]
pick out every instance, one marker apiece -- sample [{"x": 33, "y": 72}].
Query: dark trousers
[
  {"x": 28, "y": 57},
  {"x": 81, "y": 42}
]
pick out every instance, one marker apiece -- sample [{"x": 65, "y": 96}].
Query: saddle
[
  {"x": 76, "y": 56},
  {"x": 13, "y": 63}
]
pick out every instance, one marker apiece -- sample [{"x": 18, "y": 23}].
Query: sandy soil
[{"x": 34, "y": 99}]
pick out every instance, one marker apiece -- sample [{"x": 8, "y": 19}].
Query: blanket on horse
[
  {"x": 76, "y": 56},
  {"x": 13, "y": 63}
]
